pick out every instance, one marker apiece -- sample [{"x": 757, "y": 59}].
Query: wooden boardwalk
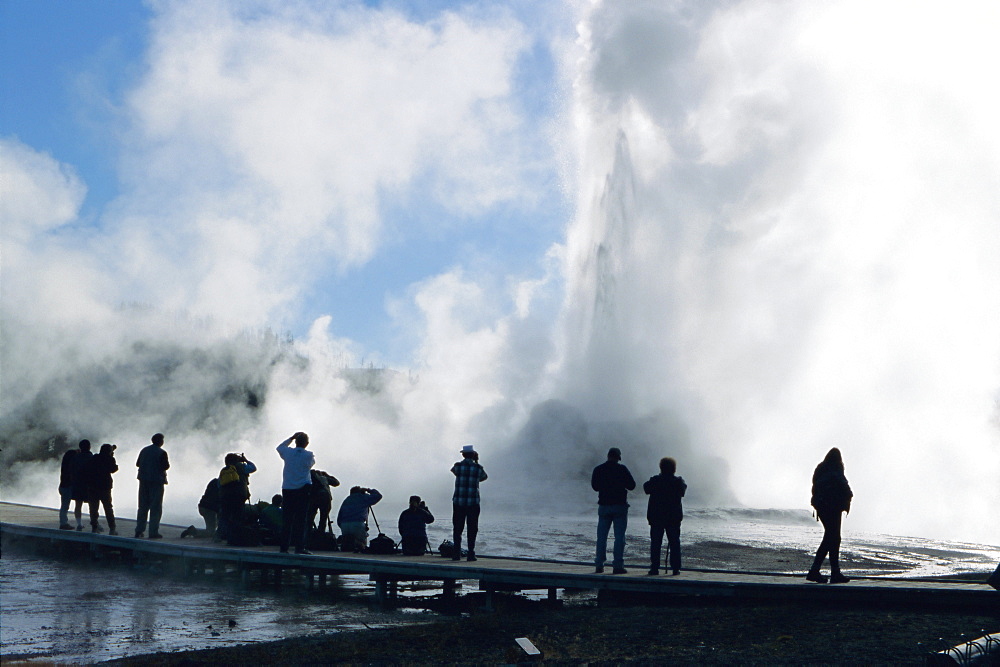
[{"x": 492, "y": 574}]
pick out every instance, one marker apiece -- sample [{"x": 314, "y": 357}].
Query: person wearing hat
[
  {"x": 612, "y": 481},
  {"x": 465, "y": 502}
]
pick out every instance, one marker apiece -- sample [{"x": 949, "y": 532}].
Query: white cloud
[
  {"x": 292, "y": 128},
  {"x": 815, "y": 262},
  {"x": 37, "y": 193}
]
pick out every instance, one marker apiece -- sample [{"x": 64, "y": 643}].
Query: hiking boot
[
  {"x": 653, "y": 572},
  {"x": 619, "y": 570},
  {"x": 471, "y": 557},
  {"x": 838, "y": 578},
  {"x": 817, "y": 577}
]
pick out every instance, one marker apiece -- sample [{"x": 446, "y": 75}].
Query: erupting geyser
[{"x": 785, "y": 237}]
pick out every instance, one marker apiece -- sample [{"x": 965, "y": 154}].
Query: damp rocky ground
[{"x": 692, "y": 631}]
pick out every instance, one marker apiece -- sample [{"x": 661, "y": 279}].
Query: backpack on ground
[
  {"x": 447, "y": 549},
  {"x": 320, "y": 540},
  {"x": 381, "y": 545}
]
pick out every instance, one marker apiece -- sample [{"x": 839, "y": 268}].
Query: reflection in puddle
[{"x": 85, "y": 611}]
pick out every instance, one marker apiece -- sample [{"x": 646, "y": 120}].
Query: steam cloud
[{"x": 785, "y": 239}]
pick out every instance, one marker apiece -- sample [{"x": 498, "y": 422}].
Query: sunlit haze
[{"x": 737, "y": 233}]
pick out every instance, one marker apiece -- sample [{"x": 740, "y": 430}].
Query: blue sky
[
  {"x": 54, "y": 58},
  {"x": 771, "y": 225},
  {"x": 70, "y": 67}
]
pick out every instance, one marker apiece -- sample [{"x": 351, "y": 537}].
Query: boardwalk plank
[{"x": 501, "y": 573}]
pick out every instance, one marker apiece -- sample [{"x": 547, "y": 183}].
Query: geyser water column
[{"x": 788, "y": 235}]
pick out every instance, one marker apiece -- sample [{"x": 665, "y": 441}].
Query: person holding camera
[
  {"x": 353, "y": 517},
  {"x": 413, "y": 527},
  {"x": 234, "y": 491},
  {"x": 153, "y": 464},
  {"x": 102, "y": 466},
  {"x": 296, "y": 489},
  {"x": 465, "y": 501}
]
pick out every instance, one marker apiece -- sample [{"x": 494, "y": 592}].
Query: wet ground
[{"x": 79, "y": 611}]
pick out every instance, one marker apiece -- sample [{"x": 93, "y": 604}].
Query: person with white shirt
[{"x": 296, "y": 487}]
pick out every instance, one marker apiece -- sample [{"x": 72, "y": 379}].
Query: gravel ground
[{"x": 688, "y": 631}]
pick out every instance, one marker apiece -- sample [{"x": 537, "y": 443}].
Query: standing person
[
  {"x": 612, "y": 481},
  {"x": 296, "y": 487},
  {"x": 831, "y": 495},
  {"x": 102, "y": 466},
  {"x": 153, "y": 464},
  {"x": 81, "y": 485},
  {"x": 321, "y": 501},
  {"x": 234, "y": 491},
  {"x": 665, "y": 514},
  {"x": 465, "y": 502},
  {"x": 413, "y": 527},
  {"x": 66, "y": 469}
]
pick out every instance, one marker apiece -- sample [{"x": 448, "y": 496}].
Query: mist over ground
[{"x": 784, "y": 235}]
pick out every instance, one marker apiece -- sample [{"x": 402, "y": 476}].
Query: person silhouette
[
  {"x": 81, "y": 487},
  {"x": 612, "y": 481},
  {"x": 66, "y": 470},
  {"x": 413, "y": 527},
  {"x": 352, "y": 519},
  {"x": 102, "y": 467},
  {"x": 153, "y": 464},
  {"x": 296, "y": 489},
  {"x": 665, "y": 514},
  {"x": 831, "y": 496},
  {"x": 465, "y": 506}
]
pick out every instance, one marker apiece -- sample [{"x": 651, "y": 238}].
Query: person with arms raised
[{"x": 296, "y": 488}]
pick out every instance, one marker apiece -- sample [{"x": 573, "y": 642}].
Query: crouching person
[
  {"x": 413, "y": 527},
  {"x": 353, "y": 518}
]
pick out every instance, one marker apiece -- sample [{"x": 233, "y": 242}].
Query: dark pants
[
  {"x": 462, "y": 514},
  {"x": 323, "y": 509},
  {"x": 92, "y": 506},
  {"x": 230, "y": 513},
  {"x": 211, "y": 518},
  {"x": 295, "y": 508},
  {"x": 831, "y": 541},
  {"x": 103, "y": 497},
  {"x": 150, "y": 507},
  {"x": 673, "y": 532},
  {"x": 414, "y": 545}
]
